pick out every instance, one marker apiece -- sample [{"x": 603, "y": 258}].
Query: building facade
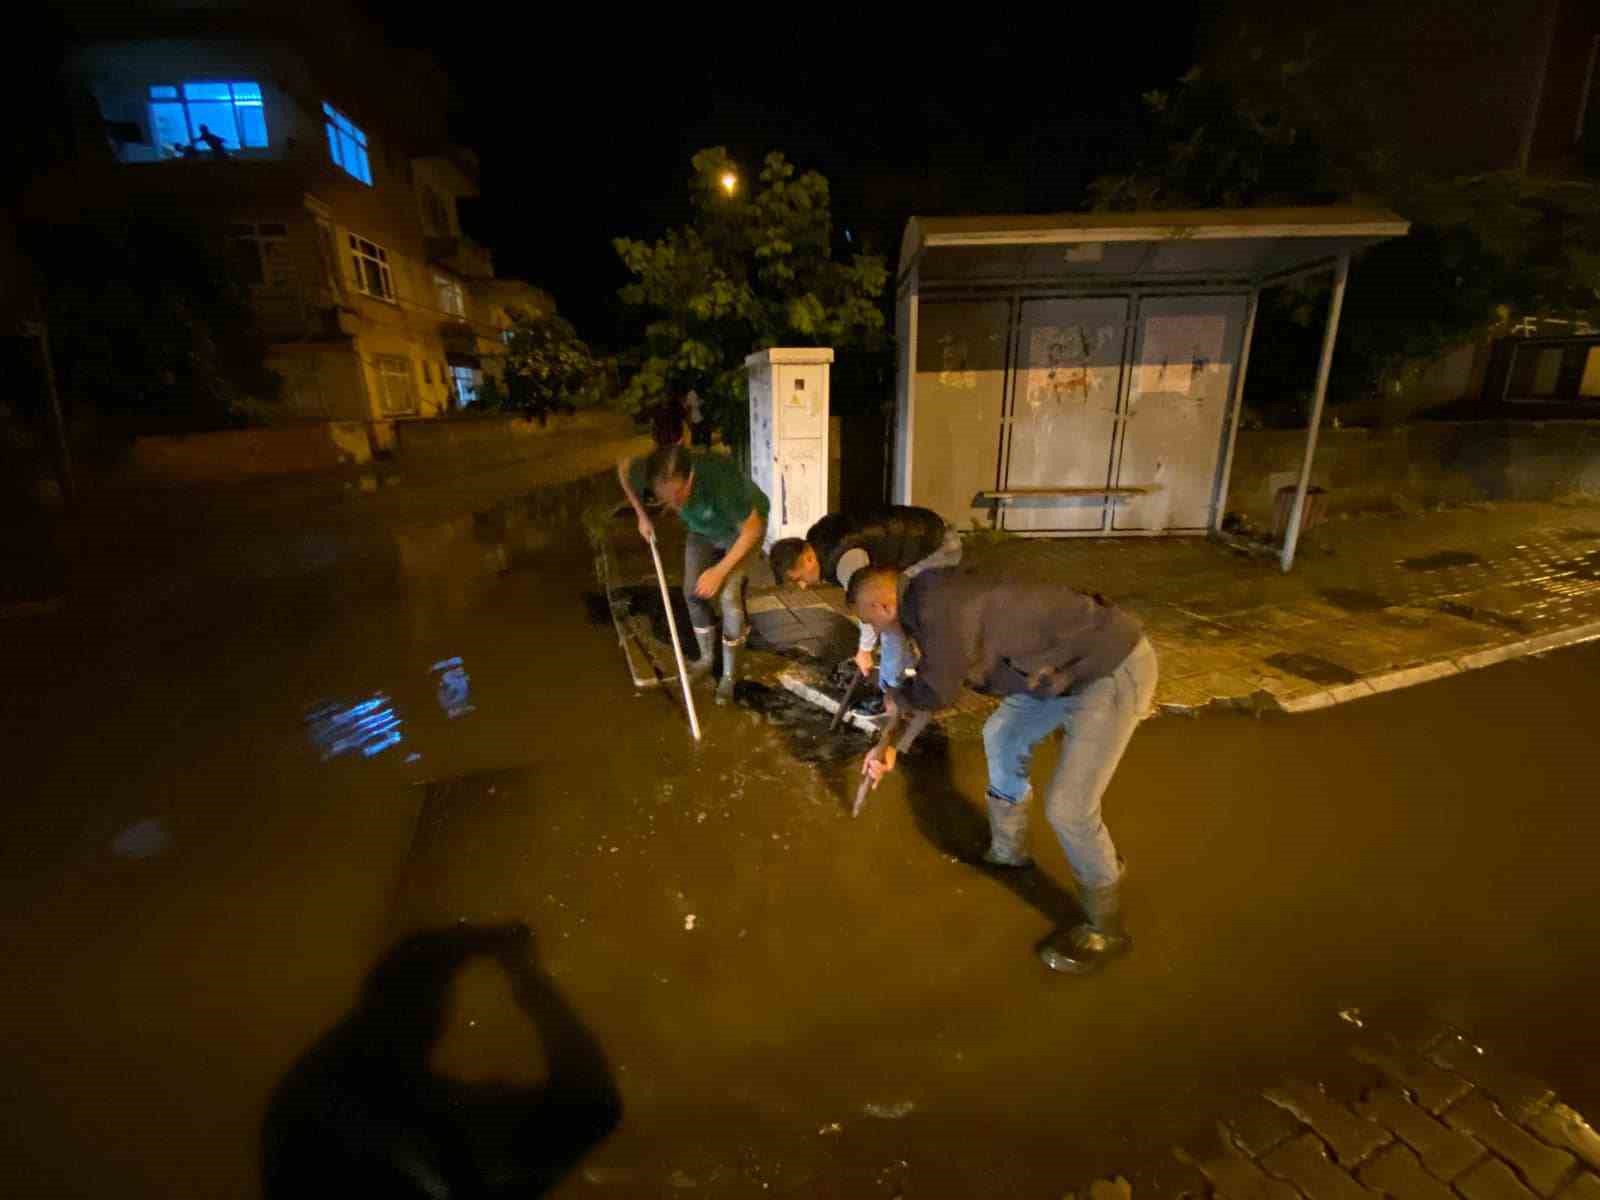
[{"x": 315, "y": 159}]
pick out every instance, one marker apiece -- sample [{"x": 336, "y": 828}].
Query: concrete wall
[
  {"x": 464, "y": 444},
  {"x": 1417, "y": 465},
  {"x": 239, "y": 454},
  {"x": 421, "y": 449}
]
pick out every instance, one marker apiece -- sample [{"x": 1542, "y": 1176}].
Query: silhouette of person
[
  {"x": 213, "y": 143},
  {"x": 361, "y": 1113}
]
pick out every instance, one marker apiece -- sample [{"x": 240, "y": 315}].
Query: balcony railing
[
  {"x": 458, "y": 337},
  {"x": 292, "y": 316},
  {"x": 461, "y": 255}
]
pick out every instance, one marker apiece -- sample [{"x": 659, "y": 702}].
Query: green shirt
[{"x": 720, "y": 500}]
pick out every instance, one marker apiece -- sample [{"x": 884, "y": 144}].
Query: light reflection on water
[
  {"x": 454, "y": 687},
  {"x": 370, "y": 726}
]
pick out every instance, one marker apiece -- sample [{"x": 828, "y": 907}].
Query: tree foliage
[
  {"x": 751, "y": 270},
  {"x": 548, "y": 367},
  {"x": 1484, "y": 250}
]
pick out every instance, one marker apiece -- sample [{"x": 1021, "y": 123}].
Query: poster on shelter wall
[
  {"x": 1180, "y": 355},
  {"x": 954, "y": 359},
  {"x": 1066, "y": 367}
]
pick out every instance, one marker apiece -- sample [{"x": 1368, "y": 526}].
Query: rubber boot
[
  {"x": 1086, "y": 948},
  {"x": 730, "y": 670},
  {"x": 706, "y": 639},
  {"x": 1008, "y": 832}
]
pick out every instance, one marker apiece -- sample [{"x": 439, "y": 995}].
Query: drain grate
[
  {"x": 1484, "y": 616},
  {"x": 1441, "y": 560},
  {"x": 1354, "y": 600},
  {"x": 1309, "y": 666}
]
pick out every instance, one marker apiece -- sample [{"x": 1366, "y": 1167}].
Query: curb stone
[{"x": 1404, "y": 677}]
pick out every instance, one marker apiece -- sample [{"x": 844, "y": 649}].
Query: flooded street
[{"x": 232, "y": 789}]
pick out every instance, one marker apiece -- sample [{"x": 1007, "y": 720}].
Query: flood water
[{"x": 244, "y": 768}]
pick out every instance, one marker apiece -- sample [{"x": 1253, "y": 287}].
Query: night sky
[{"x": 585, "y": 128}]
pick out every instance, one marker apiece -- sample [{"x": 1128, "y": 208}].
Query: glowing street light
[{"x": 729, "y": 182}]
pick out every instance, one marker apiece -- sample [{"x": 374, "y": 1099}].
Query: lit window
[
  {"x": 370, "y": 263},
  {"x": 451, "y": 299},
  {"x": 188, "y": 119},
  {"x": 348, "y": 145},
  {"x": 397, "y": 388},
  {"x": 467, "y": 381}
]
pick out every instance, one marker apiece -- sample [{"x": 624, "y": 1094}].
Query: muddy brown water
[{"x": 788, "y": 1002}]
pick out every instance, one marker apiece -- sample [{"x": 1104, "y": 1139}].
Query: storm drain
[
  {"x": 1309, "y": 666},
  {"x": 1354, "y": 600},
  {"x": 1442, "y": 560}
]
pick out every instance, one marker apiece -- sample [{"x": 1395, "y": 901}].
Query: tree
[
  {"x": 548, "y": 367},
  {"x": 147, "y": 328},
  {"x": 1484, "y": 249},
  {"x": 747, "y": 273}
]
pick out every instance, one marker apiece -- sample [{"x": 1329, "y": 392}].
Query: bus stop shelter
[{"x": 1081, "y": 375}]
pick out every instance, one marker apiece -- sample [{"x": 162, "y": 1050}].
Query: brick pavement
[{"x": 1438, "y": 1119}]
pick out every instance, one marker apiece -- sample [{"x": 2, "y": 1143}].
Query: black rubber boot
[
  {"x": 1086, "y": 948},
  {"x": 706, "y": 639}
]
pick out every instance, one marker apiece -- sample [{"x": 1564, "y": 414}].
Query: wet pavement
[{"x": 243, "y": 769}]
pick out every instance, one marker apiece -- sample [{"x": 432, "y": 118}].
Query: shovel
[{"x": 867, "y": 783}]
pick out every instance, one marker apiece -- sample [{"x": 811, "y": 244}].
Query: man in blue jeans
[{"x": 1059, "y": 659}]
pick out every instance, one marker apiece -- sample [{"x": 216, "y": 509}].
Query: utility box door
[{"x": 789, "y": 437}]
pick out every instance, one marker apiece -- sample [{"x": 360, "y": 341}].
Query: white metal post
[
  {"x": 1221, "y": 491},
  {"x": 677, "y": 646},
  {"x": 1330, "y": 334},
  {"x": 908, "y": 425}
]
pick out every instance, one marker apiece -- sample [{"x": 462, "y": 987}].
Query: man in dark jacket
[
  {"x": 1059, "y": 659},
  {"x": 900, "y": 536}
]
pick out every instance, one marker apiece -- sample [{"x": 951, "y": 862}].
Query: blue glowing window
[
  {"x": 203, "y": 118},
  {"x": 347, "y": 143}
]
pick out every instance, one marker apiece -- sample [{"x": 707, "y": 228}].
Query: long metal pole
[
  {"x": 58, "y": 424},
  {"x": 1550, "y": 11},
  {"x": 1221, "y": 490},
  {"x": 677, "y": 646},
  {"x": 1330, "y": 334}
]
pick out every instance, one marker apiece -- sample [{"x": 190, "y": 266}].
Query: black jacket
[
  {"x": 1003, "y": 638},
  {"x": 897, "y": 536}
]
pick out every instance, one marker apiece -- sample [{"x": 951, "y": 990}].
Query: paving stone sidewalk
[
  {"x": 1374, "y": 603},
  {"x": 1437, "y": 1119}
]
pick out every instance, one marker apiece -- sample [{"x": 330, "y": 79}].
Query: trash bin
[{"x": 1310, "y": 517}]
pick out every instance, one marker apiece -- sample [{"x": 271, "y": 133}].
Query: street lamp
[{"x": 729, "y": 182}]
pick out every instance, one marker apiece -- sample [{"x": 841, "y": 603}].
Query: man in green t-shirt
[{"x": 726, "y": 516}]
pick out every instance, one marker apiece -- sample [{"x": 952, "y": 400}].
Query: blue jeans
[
  {"x": 894, "y": 655},
  {"x": 1097, "y": 721},
  {"x": 698, "y": 554}
]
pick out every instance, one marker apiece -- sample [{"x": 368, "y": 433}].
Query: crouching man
[
  {"x": 908, "y": 539},
  {"x": 1059, "y": 659}
]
